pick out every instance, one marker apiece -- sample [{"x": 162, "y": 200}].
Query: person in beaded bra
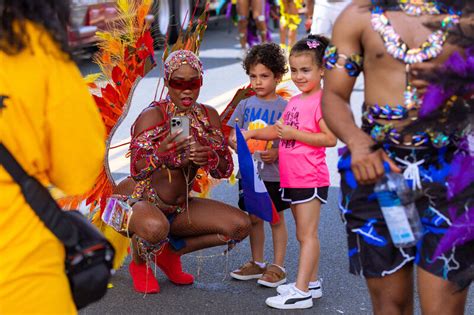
[
  {"x": 390, "y": 42},
  {"x": 165, "y": 221}
]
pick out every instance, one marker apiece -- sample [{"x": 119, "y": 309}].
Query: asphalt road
[{"x": 214, "y": 292}]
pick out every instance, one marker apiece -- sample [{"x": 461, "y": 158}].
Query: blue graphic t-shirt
[{"x": 253, "y": 109}]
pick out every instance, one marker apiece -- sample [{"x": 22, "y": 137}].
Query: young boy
[{"x": 265, "y": 64}]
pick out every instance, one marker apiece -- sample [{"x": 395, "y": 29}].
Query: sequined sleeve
[
  {"x": 145, "y": 146},
  {"x": 225, "y": 154},
  {"x": 353, "y": 64},
  {"x": 219, "y": 145}
]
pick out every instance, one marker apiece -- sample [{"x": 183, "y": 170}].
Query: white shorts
[{"x": 325, "y": 15}]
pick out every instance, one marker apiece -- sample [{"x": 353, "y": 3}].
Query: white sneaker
[
  {"x": 293, "y": 299},
  {"x": 316, "y": 291}
]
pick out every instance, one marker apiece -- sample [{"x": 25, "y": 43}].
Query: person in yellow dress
[{"x": 49, "y": 122}]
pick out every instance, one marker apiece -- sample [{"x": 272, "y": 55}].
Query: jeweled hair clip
[{"x": 312, "y": 44}]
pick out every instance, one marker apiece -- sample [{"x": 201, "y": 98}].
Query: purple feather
[
  {"x": 460, "y": 232},
  {"x": 228, "y": 12},
  {"x": 435, "y": 97},
  {"x": 461, "y": 174},
  {"x": 470, "y": 64},
  {"x": 457, "y": 64},
  {"x": 452, "y": 212}
]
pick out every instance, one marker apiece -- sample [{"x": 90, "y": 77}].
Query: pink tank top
[{"x": 301, "y": 165}]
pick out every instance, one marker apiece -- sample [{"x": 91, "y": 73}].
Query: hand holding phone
[
  {"x": 178, "y": 139},
  {"x": 180, "y": 123}
]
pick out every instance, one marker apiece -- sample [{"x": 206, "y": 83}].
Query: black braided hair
[{"x": 53, "y": 15}]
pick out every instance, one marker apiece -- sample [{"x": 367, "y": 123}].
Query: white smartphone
[{"x": 180, "y": 123}]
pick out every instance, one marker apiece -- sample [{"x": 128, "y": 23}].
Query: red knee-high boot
[
  {"x": 170, "y": 263},
  {"x": 143, "y": 279}
]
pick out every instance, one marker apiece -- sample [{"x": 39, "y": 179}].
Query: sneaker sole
[
  {"x": 244, "y": 278},
  {"x": 296, "y": 306},
  {"x": 271, "y": 284},
  {"x": 315, "y": 294}
]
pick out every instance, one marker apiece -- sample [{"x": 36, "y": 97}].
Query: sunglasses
[{"x": 185, "y": 84}]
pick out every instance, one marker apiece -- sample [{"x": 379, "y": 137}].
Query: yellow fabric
[
  {"x": 53, "y": 128},
  {"x": 291, "y": 21}
]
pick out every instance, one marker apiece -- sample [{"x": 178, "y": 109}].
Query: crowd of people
[{"x": 50, "y": 136}]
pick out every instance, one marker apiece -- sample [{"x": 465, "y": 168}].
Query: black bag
[{"x": 89, "y": 256}]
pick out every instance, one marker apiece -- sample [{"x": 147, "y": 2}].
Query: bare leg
[
  {"x": 209, "y": 223},
  {"x": 149, "y": 223},
  {"x": 307, "y": 221},
  {"x": 280, "y": 240},
  {"x": 283, "y": 25},
  {"x": 125, "y": 187},
  {"x": 283, "y": 36},
  {"x": 439, "y": 296},
  {"x": 257, "y": 238},
  {"x": 392, "y": 294},
  {"x": 258, "y": 13},
  {"x": 243, "y": 13},
  {"x": 292, "y": 38}
]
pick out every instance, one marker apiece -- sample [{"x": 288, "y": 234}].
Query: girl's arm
[
  {"x": 268, "y": 133},
  {"x": 324, "y": 138}
]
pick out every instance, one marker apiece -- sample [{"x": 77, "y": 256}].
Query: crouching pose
[{"x": 166, "y": 222}]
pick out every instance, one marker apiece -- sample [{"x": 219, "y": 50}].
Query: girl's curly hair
[
  {"x": 53, "y": 15},
  {"x": 268, "y": 54}
]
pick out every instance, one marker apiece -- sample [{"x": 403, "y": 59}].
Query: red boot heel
[{"x": 170, "y": 263}]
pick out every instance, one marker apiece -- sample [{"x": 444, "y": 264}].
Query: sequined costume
[{"x": 146, "y": 143}]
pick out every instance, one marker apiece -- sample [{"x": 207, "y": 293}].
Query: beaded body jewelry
[
  {"x": 418, "y": 7},
  {"x": 399, "y": 50}
]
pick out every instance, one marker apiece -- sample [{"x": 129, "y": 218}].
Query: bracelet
[
  {"x": 154, "y": 160},
  {"x": 227, "y": 156},
  {"x": 213, "y": 162}
]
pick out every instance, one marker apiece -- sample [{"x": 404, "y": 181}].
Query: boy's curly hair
[{"x": 268, "y": 54}]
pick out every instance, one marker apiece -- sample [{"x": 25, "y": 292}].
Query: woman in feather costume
[
  {"x": 164, "y": 221},
  {"x": 153, "y": 206}
]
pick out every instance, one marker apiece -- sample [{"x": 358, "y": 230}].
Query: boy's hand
[
  {"x": 285, "y": 132},
  {"x": 269, "y": 156}
]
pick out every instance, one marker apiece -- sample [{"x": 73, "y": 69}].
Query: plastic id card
[{"x": 116, "y": 214}]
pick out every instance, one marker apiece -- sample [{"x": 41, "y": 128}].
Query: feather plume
[
  {"x": 123, "y": 6},
  {"x": 93, "y": 77},
  {"x": 192, "y": 37},
  {"x": 120, "y": 70}
]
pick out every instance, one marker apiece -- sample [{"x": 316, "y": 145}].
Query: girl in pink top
[{"x": 304, "y": 175}]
